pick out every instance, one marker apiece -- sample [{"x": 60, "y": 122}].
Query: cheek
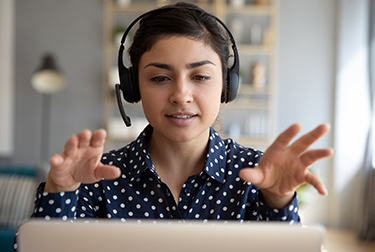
[
  {"x": 150, "y": 100},
  {"x": 146, "y": 100},
  {"x": 210, "y": 100},
  {"x": 149, "y": 110}
]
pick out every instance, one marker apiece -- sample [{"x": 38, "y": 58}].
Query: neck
[{"x": 176, "y": 161}]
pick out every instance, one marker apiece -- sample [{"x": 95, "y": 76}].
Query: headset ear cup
[
  {"x": 130, "y": 90},
  {"x": 124, "y": 84},
  {"x": 231, "y": 87},
  {"x": 135, "y": 87},
  {"x": 225, "y": 92}
]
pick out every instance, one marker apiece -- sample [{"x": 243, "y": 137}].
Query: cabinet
[{"x": 251, "y": 118}]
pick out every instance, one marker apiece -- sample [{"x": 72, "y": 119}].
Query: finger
[
  {"x": 71, "y": 145},
  {"x": 285, "y": 137},
  {"x": 303, "y": 143},
  {"x": 84, "y": 138},
  {"x": 315, "y": 181},
  {"x": 107, "y": 172},
  {"x": 310, "y": 157},
  {"x": 98, "y": 138},
  {"x": 56, "y": 160},
  {"x": 253, "y": 175}
]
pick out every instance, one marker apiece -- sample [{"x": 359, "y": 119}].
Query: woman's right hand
[{"x": 79, "y": 163}]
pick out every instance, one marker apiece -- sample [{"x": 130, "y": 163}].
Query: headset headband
[{"x": 234, "y": 67}]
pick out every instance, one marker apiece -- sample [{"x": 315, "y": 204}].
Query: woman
[{"x": 179, "y": 167}]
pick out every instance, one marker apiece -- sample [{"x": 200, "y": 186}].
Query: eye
[
  {"x": 201, "y": 77},
  {"x": 159, "y": 79}
]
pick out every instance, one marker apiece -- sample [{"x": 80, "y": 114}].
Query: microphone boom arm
[{"x": 126, "y": 118}]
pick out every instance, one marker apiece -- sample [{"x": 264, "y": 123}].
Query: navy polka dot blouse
[{"x": 216, "y": 193}]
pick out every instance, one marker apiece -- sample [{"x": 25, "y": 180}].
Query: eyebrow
[
  {"x": 189, "y": 66},
  {"x": 199, "y": 63}
]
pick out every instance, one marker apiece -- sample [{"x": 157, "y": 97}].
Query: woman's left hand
[{"x": 283, "y": 167}]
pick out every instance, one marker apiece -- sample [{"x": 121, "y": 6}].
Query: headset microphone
[
  {"x": 124, "y": 116},
  {"x": 122, "y": 69}
]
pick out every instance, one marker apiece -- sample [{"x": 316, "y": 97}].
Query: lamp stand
[{"x": 45, "y": 131}]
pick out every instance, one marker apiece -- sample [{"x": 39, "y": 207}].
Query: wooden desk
[{"x": 345, "y": 241}]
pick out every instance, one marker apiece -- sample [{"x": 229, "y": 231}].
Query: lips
[
  {"x": 181, "y": 118},
  {"x": 181, "y": 115}
]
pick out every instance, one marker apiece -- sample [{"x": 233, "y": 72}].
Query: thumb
[
  {"x": 107, "y": 172},
  {"x": 253, "y": 175}
]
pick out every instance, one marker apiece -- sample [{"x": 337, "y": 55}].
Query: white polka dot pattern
[{"x": 216, "y": 193}]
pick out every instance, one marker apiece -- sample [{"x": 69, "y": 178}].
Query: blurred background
[{"x": 305, "y": 61}]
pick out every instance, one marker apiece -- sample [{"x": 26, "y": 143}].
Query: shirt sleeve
[
  {"x": 263, "y": 212},
  {"x": 62, "y": 205},
  {"x": 68, "y": 205},
  {"x": 55, "y": 205}
]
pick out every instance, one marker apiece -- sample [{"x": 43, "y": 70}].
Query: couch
[{"x": 17, "y": 193}]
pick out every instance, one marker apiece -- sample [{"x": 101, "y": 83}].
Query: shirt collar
[
  {"x": 139, "y": 157},
  {"x": 216, "y": 157},
  {"x": 140, "y": 161}
]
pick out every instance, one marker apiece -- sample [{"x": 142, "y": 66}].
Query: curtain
[{"x": 367, "y": 219}]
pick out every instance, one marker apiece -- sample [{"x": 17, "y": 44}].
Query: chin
[{"x": 185, "y": 135}]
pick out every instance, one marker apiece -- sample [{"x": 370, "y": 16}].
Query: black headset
[{"x": 129, "y": 87}]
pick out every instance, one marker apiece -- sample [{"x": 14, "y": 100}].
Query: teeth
[{"x": 182, "y": 116}]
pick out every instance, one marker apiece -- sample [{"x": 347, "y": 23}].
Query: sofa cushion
[{"x": 17, "y": 193}]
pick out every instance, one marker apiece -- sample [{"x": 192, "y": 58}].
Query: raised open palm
[
  {"x": 79, "y": 163},
  {"x": 283, "y": 167}
]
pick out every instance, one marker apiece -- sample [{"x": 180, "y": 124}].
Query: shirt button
[
  {"x": 167, "y": 192},
  {"x": 187, "y": 191}
]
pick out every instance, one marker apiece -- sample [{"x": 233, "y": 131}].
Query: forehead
[{"x": 179, "y": 48}]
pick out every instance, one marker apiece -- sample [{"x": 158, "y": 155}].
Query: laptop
[{"x": 108, "y": 235}]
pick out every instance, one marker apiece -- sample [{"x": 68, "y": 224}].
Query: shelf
[
  {"x": 250, "y": 9},
  {"x": 117, "y": 130},
  {"x": 255, "y": 49},
  {"x": 133, "y": 7},
  {"x": 248, "y": 89},
  {"x": 248, "y": 141},
  {"x": 245, "y": 105}
]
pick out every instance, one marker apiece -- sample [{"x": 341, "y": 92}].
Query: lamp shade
[{"x": 48, "y": 79}]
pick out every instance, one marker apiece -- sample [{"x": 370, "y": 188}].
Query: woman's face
[{"x": 180, "y": 82}]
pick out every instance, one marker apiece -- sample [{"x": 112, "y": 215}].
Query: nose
[{"x": 181, "y": 92}]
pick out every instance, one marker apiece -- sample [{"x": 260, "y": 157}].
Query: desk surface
[{"x": 346, "y": 241}]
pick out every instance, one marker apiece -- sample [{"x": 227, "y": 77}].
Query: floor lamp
[{"x": 47, "y": 80}]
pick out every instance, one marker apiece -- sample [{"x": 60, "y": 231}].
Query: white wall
[
  {"x": 307, "y": 79},
  {"x": 323, "y": 78},
  {"x": 351, "y": 113},
  {"x": 7, "y": 77},
  {"x": 72, "y": 31}
]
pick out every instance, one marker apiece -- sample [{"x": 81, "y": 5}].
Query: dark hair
[{"x": 184, "y": 19}]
